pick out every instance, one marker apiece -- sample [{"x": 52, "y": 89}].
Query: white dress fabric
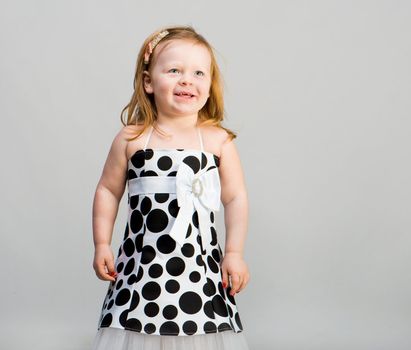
[{"x": 168, "y": 293}]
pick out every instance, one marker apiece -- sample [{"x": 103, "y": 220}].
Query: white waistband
[{"x": 152, "y": 184}]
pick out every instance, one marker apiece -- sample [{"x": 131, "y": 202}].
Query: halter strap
[
  {"x": 201, "y": 139},
  {"x": 148, "y": 137}
]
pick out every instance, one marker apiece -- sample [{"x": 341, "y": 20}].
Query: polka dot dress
[{"x": 171, "y": 284}]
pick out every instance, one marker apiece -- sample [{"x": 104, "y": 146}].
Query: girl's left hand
[{"x": 234, "y": 265}]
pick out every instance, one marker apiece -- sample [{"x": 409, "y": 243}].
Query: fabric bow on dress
[{"x": 200, "y": 191}]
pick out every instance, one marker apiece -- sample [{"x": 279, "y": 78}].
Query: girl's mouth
[{"x": 184, "y": 96}]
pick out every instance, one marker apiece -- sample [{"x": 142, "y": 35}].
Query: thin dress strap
[
  {"x": 201, "y": 139},
  {"x": 202, "y": 147},
  {"x": 148, "y": 137}
]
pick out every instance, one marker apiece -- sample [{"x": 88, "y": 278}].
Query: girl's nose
[{"x": 185, "y": 79}]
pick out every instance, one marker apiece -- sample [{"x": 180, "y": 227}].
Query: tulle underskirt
[{"x": 109, "y": 338}]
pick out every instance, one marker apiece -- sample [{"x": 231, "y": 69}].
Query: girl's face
[{"x": 179, "y": 67}]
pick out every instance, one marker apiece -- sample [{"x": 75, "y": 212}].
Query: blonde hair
[{"x": 142, "y": 110}]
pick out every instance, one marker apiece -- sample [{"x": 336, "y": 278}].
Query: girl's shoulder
[
  {"x": 214, "y": 138},
  {"x": 133, "y": 135}
]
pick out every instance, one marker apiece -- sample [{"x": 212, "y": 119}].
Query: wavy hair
[{"x": 141, "y": 110}]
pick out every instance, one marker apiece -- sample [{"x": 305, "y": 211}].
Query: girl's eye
[{"x": 176, "y": 69}]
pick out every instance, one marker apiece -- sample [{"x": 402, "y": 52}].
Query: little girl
[{"x": 171, "y": 286}]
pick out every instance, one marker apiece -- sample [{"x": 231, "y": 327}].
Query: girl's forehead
[{"x": 182, "y": 50}]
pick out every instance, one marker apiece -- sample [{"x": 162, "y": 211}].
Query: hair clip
[{"x": 153, "y": 43}]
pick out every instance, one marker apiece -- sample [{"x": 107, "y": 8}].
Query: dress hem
[{"x": 172, "y": 334}]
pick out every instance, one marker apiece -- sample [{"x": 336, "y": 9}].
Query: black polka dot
[
  {"x": 151, "y": 309},
  {"x": 129, "y": 267},
  {"x": 166, "y": 244},
  {"x": 230, "y": 310},
  {"x": 212, "y": 264},
  {"x": 190, "y": 302},
  {"x": 193, "y": 162},
  {"x": 189, "y": 327},
  {"x": 123, "y": 297},
  {"x": 135, "y": 299},
  {"x": 149, "y": 173},
  {"x": 189, "y": 230},
  {"x": 229, "y": 296},
  {"x": 194, "y": 219},
  {"x": 238, "y": 321},
  {"x": 164, "y": 163},
  {"x": 173, "y": 208},
  {"x": 107, "y": 319},
  {"x": 137, "y": 159},
  {"x": 216, "y": 255},
  {"x": 148, "y": 254},
  {"x": 119, "y": 284},
  {"x": 119, "y": 251},
  {"x": 136, "y": 221},
  {"x": 170, "y": 312},
  {"x": 134, "y": 201},
  {"x": 161, "y": 197},
  {"x": 139, "y": 242},
  {"x": 208, "y": 309},
  {"x": 123, "y": 317},
  {"x": 151, "y": 290},
  {"x": 149, "y": 153},
  {"x": 209, "y": 288},
  {"x": 219, "y": 306},
  {"x": 133, "y": 324},
  {"x": 128, "y": 247},
  {"x": 157, "y": 220},
  {"x": 132, "y": 279},
  {"x": 221, "y": 289},
  {"x": 203, "y": 160},
  {"x": 120, "y": 266},
  {"x": 214, "y": 238},
  {"x": 146, "y": 205},
  {"x": 172, "y": 286},
  {"x": 126, "y": 233},
  {"x": 199, "y": 260},
  {"x": 188, "y": 250},
  {"x": 131, "y": 174},
  {"x": 140, "y": 274},
  {"x": 224, "y": 327},
  {"x": 195, "y": 276},
  {"x": 175, "y": 266},
  {"x": 149, "y": 328},
  {"x": 210, "y": 327},
  {"x": 169, "y": 328},
  {"x": 155, "y": 271}
]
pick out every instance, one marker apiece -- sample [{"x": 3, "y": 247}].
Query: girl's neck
[{"x": 180, "y": 124}]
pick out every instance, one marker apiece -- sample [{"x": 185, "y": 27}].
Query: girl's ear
[{"x": 147, "y": 82}]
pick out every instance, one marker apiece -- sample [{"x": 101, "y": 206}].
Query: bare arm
[
  {"x": 109, "y": 191},
  {"x": 234, "y": 198}
]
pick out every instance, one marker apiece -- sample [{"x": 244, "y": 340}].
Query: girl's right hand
[{"x": 103, "y": 263}]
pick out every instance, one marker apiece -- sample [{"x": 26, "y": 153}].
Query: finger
[
  {"x": 103, "y": 273},
  {"x": 235, "y": 283},
  {"x": 243, "y": 284},
  {"x": 224, "y": 277},
  {"x": 111, "y": 270}
]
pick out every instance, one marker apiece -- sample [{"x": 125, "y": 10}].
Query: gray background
[{"x": 319, "y": 94}]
